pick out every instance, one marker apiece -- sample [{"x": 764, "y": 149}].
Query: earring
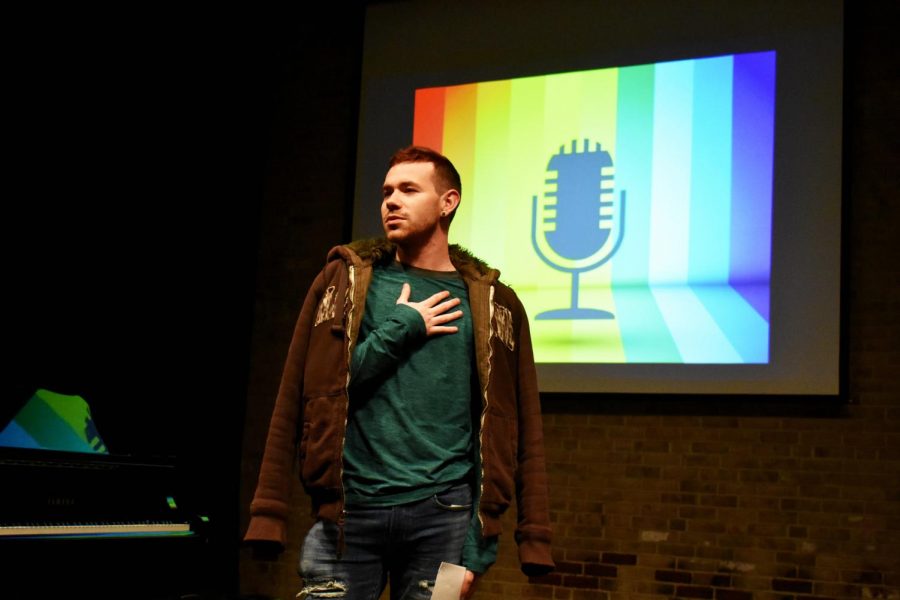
[{"x": 443, "y": 213}]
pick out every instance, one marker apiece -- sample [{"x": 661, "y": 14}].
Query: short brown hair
[{"x": 447, "y": 176}]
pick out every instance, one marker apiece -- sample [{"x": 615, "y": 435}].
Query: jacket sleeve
[
  {"x": 533, "y": 528},
  {"x": 270, "y": 506}
]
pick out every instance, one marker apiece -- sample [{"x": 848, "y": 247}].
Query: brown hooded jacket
[{"x": 310, "y": 415}]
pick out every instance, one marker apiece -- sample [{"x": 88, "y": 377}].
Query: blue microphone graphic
[{"x": 581, "y": 223}]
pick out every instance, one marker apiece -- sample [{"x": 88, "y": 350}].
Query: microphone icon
[{"x": 581, "y": 224}]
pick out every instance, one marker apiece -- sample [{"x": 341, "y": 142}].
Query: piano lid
[{"x": 52, "y": 421}]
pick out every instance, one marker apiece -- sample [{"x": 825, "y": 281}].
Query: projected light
[{"x": 681, "y": 276}]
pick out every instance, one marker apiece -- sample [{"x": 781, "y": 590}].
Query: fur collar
[{"x": 381, "y": 251}]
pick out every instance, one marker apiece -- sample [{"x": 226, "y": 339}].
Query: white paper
[{"x": 448, "y": 584}]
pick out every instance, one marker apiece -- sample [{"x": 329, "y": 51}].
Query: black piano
[{"x": 98, "y": 525}]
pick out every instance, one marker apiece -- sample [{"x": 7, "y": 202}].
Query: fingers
[
  {"x": 427, "y": 302},
  {"x": 434, "y": 299},
  {"x": 404, "y": 294},
  {"x": 445, "y": 306},
  {"x": 435, "y": 310},
  {"x": 441, "y": 307},
  {"x": 434, "y": 324},
  {"x": 440, "y": 319},
  {"x": 433, "y": 302},
  {"x": 468, "y": 586}
]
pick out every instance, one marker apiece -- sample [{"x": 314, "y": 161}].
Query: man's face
[{"x": 411, "y": 204}]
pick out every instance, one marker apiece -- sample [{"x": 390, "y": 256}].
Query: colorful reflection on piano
[{"x": 52, "y": 421}]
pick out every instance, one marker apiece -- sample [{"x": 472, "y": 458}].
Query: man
[{"x": 410, "y": 389}]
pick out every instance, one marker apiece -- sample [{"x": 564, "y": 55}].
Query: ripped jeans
[{"x": 407, "y": 542}]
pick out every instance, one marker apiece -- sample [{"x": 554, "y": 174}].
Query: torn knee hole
[{"x": 323, "y": 589}]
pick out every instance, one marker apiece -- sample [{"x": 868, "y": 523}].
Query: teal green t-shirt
[
  {"x": 409, "y": 430},
  {"x": 414, "y": 401}
]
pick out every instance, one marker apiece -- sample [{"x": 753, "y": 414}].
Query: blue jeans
[{"x": 407, "y": 542}]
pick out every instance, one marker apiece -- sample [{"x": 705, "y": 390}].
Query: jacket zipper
[
  {"x": 342, "y": 516},
  {"x": 484, "y": 394}
]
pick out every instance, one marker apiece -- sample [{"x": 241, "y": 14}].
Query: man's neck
[{"x": 434, "y": 256}]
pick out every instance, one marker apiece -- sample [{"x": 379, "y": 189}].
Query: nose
[{"x": 390, "y": 201}]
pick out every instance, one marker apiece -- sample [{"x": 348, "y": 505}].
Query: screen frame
[{"x": 400, "y": 55}]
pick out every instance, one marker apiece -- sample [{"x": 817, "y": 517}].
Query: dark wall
[{"x": 135, "y": 152}]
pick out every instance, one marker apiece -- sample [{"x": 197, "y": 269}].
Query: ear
[{"x": 449, "y": 201}]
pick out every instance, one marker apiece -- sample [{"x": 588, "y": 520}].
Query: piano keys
[{"x": 93, "y": 529}]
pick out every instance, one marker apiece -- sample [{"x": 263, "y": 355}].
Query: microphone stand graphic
[{"x": 582, "y": 225}]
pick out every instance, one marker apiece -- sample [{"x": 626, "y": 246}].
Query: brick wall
[
  {"x": 719, "y": 507},
  {"x": 764, "y": 503}
]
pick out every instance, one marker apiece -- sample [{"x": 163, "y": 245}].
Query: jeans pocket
[{"x": 457, "y": 498}]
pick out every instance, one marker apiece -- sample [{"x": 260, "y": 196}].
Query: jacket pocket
[
  {"x": 500, "y": 441},
  {"x": 323, "y": 422}
]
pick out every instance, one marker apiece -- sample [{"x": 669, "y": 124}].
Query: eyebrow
[{"x": 400, "y": 184}]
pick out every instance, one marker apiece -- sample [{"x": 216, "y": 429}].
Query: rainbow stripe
[{"x": 692, "y": 146}]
